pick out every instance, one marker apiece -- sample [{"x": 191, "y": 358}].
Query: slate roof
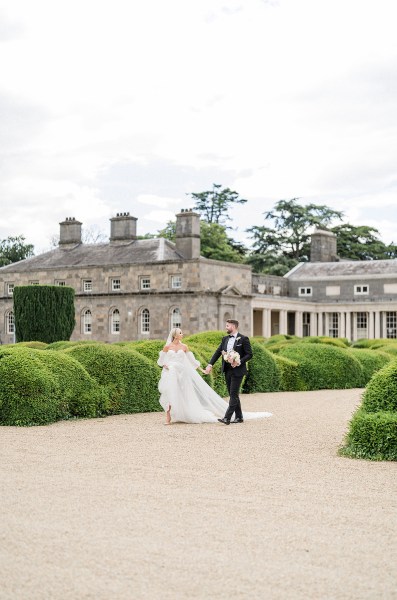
[
  {"x": 343, "y": 269},
  {"x": 91, "y": 255}
]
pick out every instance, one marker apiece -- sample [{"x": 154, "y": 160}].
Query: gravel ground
[{"x": 125, "y": 508}]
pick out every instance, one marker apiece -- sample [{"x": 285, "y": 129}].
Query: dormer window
[
  {"x": 305, "y": 291},
  {"x": 360, "y": 290}
]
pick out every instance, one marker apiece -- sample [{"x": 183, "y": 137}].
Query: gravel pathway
[{"x": 126, "y": 508}]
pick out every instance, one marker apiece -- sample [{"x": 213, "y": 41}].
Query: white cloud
[{"x": 112, "y": 106}]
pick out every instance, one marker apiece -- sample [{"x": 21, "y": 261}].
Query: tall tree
[
  {"x": 14, "y": 249},
  {"x": 280, "y": 246},
  {"x": 214, "y": 205},
  {"x": 215, "y": 243},
  {"x": 362, "y": 243}
]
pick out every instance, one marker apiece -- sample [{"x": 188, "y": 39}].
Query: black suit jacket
[{"x": 242, "y": 345}]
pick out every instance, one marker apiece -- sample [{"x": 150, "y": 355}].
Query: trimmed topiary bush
[
  {"x": 72, "y": 391},
  {"x": 37, "y": 345},
  {"x": 381, "y": 391},
  {"x": 323, "y": 339},
  {"x": 29, "y": 392},
  {"x": 63, "y": 345},
  {"x": 371, "y": 361},
  {"x": 43, "y": 313},
  {"x": 209, "y": 338},
  {"x": 129, "y": 378},
  {"x": 389, "y": 348},
  {"x": 263, "y": 374},
  {"x": 372, "y": 435},
  {"x": 289, "y": 374},
  {"x": 322, "y": 366}
]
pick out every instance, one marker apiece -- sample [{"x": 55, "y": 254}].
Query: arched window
[
  {"x": 176, "y": 318},
  {"x": 227, "y": 316},
  {"x": 145, "y": 321},
  {"x": 10, "y": 322},
  {"x": 115, "y": 321},
  {"x": 87, "y": 321}
]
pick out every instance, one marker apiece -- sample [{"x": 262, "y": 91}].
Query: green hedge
[
  {"x": 129, "y": 378},
  {"x": 289, "y": 374},
  {"x": 29, "y": 392},
  {"x": 323, "y": 339},
  {"x": 37, "y": 345},
  {"x": 389, "y": 348},
  {"x": 381, "y": 391},
  {"x": 371, "y": 361},
  {"x": 373, "y": 344},
  {"x": 372, "y": 436},
  {"x": 46, "y": 387},
  {"x": 321, "y": 366},
  {"x": 263, "y": 374},
  {"x": 209, "y": 338},
  {"x": 62, "y": 345},
  {"x": 43, "y": 313}
]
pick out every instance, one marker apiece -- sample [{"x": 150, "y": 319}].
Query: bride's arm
[
  {"x": 163, "y": 357},
  {"x": 190, "y": 356}
]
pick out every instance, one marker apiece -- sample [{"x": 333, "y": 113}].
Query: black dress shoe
[
  {"x": 225, "y": 421},
  {"x": 239, "y": 420}
]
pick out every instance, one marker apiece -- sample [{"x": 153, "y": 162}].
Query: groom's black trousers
[{"x": 233, "y": 387}]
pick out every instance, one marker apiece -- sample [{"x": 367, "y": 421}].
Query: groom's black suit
[{"x": 234, "y": 375}]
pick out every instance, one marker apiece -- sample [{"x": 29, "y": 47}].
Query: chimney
[
  {"x": 188, "y": 233},
  {"x": 70, "y": 232},
  {"x": 123, "y": 228},
  {"x": 323, "y": 246}
]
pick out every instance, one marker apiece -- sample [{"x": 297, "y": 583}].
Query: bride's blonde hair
[{"x": 174, "y": 331}]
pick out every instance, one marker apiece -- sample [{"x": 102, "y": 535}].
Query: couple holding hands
[{"x": 186, "y": 397}]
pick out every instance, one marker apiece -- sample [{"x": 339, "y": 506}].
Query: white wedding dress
[{"x": 192, "y": 400}]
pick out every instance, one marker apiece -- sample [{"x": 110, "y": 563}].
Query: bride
[{"x": 185, "y": 396}]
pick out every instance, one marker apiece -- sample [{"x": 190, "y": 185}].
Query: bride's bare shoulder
[
  {"x": 166, "y": 348},
  {"x": 185, "y": 348}
]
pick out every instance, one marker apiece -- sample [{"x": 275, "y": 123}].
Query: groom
[{"x": 233, "y": 373}]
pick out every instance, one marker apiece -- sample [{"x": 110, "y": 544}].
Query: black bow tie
[{"x": 232, "y": 336}]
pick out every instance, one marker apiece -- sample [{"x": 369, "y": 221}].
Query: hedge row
[
  {"x": 43, "y": 383},
  {"x": 373, "y": 428}
]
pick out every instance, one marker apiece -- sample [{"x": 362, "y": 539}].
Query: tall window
[
  {"x": 145, "y": 321},
  {"x": 333, "y": 330},
  {"x": 361, "y": 325},
  {"x": 176, "y": 318},
  {"x": 87, "y": 321},
  {"x": 10, "y": 322},
  {"x": 306, "y": 324},
  {"x": 391, "y": 324},
  {"x": 115, "y": 321}
]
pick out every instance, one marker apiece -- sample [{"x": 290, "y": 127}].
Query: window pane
[
  {"x": 176, "y": 318},
  {"x": 145, "y": 321}
]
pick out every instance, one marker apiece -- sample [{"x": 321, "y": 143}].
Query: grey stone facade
[{"x": 129, "y": 289}]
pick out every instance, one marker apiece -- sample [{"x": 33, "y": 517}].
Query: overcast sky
[{"x": 109, "y": 106}]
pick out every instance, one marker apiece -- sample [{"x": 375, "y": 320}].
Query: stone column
[
  {"x": 354, "y": 316},
  {"x": 313, "y": 323},
  {"x": 326, "y": 324},
  {"x": 348, "y": 326},
  {"x": 377, "y": 324},
  {"x": 370, "y": 325},
  {"x": 266, "y": 322},
  {"x": 320, "y": 328},
  {"x": 299, "y": 323},
  {"x": 342, "y": 328},
  {"x": 283, "y": 322}
]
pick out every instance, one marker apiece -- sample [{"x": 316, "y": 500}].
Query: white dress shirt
[{"x": 230, "y": 342}]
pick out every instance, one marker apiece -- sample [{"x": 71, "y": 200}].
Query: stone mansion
[{"x": 134, "y": 289}]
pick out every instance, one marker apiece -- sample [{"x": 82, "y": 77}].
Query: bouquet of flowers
[{"x": 231, "y": 357}]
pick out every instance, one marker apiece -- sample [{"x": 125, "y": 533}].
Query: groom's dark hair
[{"x": 232, "y": 321}]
